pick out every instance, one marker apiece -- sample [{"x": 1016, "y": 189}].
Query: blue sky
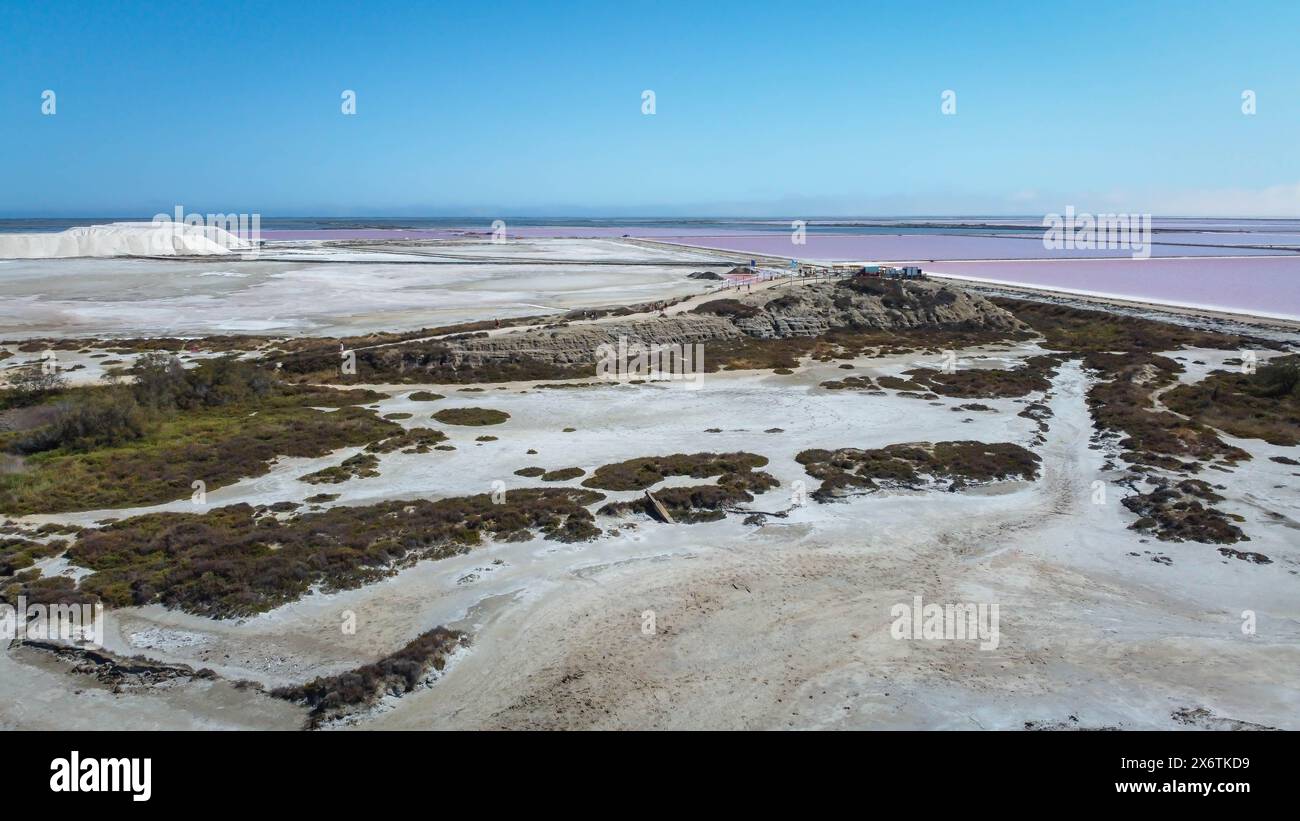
[{"x": 778, "y": 109}]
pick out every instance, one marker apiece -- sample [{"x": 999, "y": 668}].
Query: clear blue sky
[{"x": 775, "y": 109}]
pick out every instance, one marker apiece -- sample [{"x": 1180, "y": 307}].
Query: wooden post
[{"x": 661, "y": 512}]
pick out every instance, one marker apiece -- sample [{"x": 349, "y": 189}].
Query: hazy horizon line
[{"x": 12, "y": 217}]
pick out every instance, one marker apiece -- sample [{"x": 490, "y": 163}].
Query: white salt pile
[{"x": 147, "y": 239}]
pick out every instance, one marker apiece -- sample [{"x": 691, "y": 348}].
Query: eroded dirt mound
[
  {"x": 811, "y": 309},
  {"x": 798, "y": 310},
  {"x": 577, "y": 344},
  {"x": 734, "y": 329}
]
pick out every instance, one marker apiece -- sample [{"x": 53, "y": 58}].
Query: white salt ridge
[{"x": 142, "y": 239}]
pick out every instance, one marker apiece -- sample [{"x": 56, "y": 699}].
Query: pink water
[{"x": 1267, "y": 286}]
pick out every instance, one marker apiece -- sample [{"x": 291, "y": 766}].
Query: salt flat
[
  {"x": 785, "y": 624},
  {"x": 328, "y": 291},
  {"x": 781, "y": 622}
]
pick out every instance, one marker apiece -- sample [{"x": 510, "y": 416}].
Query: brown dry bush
[
  {"x": 1160, "y": 438},
  {"x": 911, "y": 465},
  {"x": 231, "y": 562},
  {"x": 989, "y": 383},
  {"x": 731, "y": 308},
  {"x": 361, "y": 466},
  {"x": 1080, "y": 330},
  {"x": 395, "y": 674},
  {"x": 639, "y": 474},
  {"x": 562, "y": 475},
  {"x": 148, "y": 442},
  {"x": 856, "y": 383},
  {"x": 1263, "y": 405},
  {"x": 1174, "y": 512},
  {"x": 97, "y": 420},
  {"x": 415, "y": 440},
  {"x": 471, "y": 416},
  {"x": 700, "y": 503},
  {"x": 19, "y": 554}
]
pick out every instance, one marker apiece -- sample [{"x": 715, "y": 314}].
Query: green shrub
[
  {"x": 562, "y": 475},
  {"x": 471, "y": 416},
  {"x": 99, "y": 420},
  {"x": 31, "y": 384},
  {"x": 233, "y": 562}
]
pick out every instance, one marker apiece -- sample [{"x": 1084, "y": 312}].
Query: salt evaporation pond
[
  {"x": 1263, "y": 286},
  {"x": 932, "y": 247}
]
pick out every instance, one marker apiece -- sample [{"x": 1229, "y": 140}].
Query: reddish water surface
[{"x": 1266, "y": 286}]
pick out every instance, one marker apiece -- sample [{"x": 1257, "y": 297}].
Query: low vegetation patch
[
  {"x": 733, "y": 308},
  {"x": 700, "y": 503},
  {"x": 916, "y": 466},
  {"x": 1080, "y": 330},
  {"x": 749, "y": 353},
  {"x": 639, "y": 474},
  {"x": 415, "y": 440},
  {"x": 562, "y": 475},
  {"x": 1177, "y": 512},
  {"x": 361, "y": 466},
  {"x": 232, "y": 562},
  {"x": 425, "y": 396},
  {"x": 1150, "y": 437},
  {"x": 1260, "y": 405},
  {"x": 30, "y": 385},
  {"x": 20, "y": 554},
  {"x": 471, "y": 416},
  {"x": 1123, "y": 350},
  {"x": 333, "y": 697},
  {"x": 149, "y": 441},
  {"x": 891, "y": 292},
  {"x": 897, "y": 383},
  {"x": 988, "y": 383},
  {"x": 419, "y": 362},
  {"x": 35, "y": 588},
  {"x": 1245, "y": 556},
  {"x": 851, "y": 383}
]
